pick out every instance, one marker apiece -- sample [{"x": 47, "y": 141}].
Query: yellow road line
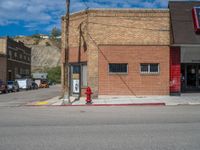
[{"x": 42, "y": 103}]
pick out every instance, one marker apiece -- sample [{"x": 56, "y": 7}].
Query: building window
[
  {"x": 20, "y": 56},
  {"x": 16, "y": 70},
  {"x": 15, "y": 54},
  {"x": 27, "y": 72},
  {"x": 149, "y": 68},
  {"x": 84, "y": 75},
  {"x": 76, "y": 69},
  {"x": 10, "y": 54},
  {"x": 21, "y": 71},
  {"x": 118, "y": 68}
]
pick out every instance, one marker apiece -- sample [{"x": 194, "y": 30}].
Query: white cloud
[
  {"x": 38, "y": 11},
  {"x": 33, "y": 13}
]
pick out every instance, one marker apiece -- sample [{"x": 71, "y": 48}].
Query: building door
[
  {"x": 190, "y": 77},
  {"x": 78, "y": 78},
  {"x": 75, "y": 80},
  {"x": 198, "y": 76}
]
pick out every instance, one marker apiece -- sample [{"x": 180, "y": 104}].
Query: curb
[
  {"x": 135, "y": 104},
  {"x": 100, "y": 105}
]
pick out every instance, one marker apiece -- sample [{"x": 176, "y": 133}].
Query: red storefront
[{"x": 185, "y": 47}]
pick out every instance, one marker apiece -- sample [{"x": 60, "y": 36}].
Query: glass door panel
[
  {"x": 198, "y": 76},
  {"x": 191, "y": 76}
]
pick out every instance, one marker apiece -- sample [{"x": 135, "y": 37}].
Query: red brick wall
[
  {"x": 134, "y": 83},
  {"x": 74, "y": 54}
]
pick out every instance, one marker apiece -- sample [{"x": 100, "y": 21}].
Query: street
[
  {"x": 23, "y": 97},
  {"x": 100, "y": 128}
]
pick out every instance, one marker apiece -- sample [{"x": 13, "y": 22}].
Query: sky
[{"x": 28, "y": 17}]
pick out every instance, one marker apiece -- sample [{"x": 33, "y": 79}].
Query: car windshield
[{"x": 10, "y": 82}]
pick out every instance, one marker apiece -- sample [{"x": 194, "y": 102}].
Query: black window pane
[
  {"x": 144, "y": 67},
  {"x": 76, "y": 69},
  {"x": 154, "y": 68},
  {"x": 118, "y": 68}
]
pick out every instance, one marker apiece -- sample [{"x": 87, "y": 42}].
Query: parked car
[
  {"x": 34, "y": 85},
  {"x": 25, "y": 84},
  {"x": 3, "y": 87},
  {"x": 13, "y": 86},
  {"x": 38, "y": 82},
  {"x": 44, "y": 84}
]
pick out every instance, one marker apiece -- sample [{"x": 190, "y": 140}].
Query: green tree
[
  {"x": 54, "y": 74},
  {"x": 55, "y": 32},
  {"x": 37, "y": 36}
]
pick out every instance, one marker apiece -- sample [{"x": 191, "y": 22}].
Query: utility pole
[{"x": 65, "y": 62}]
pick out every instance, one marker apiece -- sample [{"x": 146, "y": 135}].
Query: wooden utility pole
[{"x": 65, "y": 62}]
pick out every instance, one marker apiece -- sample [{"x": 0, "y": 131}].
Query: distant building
[
  {"x": 15, "y": 59},
  {"x": 58, "y": 37},
  {"x": 43, "y": 36}
]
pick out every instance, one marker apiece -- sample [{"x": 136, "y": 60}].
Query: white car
[{"x": 25, "y": 84}]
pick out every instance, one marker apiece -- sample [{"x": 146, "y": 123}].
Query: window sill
[
  {"x": 150, "y": 74},
  {"x": 118, "y": 73}
]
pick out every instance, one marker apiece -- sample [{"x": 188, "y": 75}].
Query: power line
[
  {"x": 129, "y": 27},
  {"x": 86, "y": 5}
]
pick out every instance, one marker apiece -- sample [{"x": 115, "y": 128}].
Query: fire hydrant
[{"x": 88, "y": 95}]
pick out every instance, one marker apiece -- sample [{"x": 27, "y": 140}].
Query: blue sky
[{"x": 27, "y": 17}]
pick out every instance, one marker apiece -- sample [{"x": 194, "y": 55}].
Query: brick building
[
  {"x": 121, "y": 52},
  {"x": 15, "y": 59}
]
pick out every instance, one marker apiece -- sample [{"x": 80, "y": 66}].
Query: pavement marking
[{"x": 42, "y": 103}]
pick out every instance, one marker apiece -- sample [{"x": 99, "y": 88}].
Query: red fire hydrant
[{"x": 88, "y": 95}]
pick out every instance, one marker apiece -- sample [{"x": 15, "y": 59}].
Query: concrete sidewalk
[{"x": 184, "y": 99}]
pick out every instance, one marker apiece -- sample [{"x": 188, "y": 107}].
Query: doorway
[
  {"x": 75, "y": 80},
  {"x": 190, "y": 77},
  {"x": 78, "y": 78}
]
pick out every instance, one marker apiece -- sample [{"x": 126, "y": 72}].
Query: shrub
[{"x": 54, "y": 74}]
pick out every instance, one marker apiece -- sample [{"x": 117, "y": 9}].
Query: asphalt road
[
  {"x": 23, "y": 97},
  {"x": 100, "y": 128}
]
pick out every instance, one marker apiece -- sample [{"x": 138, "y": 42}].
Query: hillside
[{"x": 45, "y": 52}]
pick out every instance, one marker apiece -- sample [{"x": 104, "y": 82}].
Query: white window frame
[{"x": 149, "y": 70}]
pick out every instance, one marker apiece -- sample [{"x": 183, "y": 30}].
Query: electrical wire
[{"x": 129, "y": 27}]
